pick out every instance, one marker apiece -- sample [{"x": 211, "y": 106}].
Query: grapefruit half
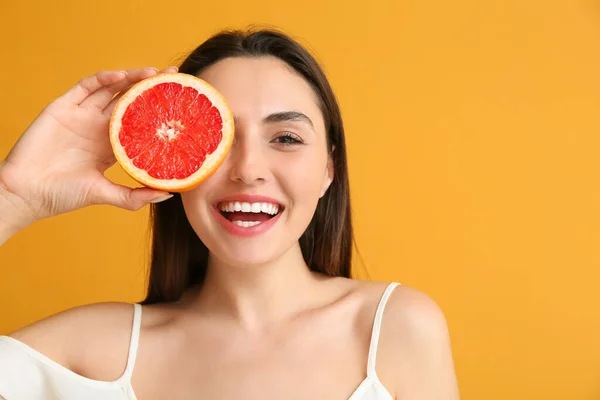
[{"x": 171, "y": 131}]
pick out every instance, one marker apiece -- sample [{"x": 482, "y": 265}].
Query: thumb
[{"x": 129, "y": 198}]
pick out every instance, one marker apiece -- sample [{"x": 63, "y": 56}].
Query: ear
[{"x": 328, "y": 172}]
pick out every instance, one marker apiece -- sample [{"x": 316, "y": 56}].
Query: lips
[{"x": 248, "y": 215}]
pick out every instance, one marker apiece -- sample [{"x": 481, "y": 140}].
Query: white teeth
[
  {"x": 233, "y": 206},
  {"x": 245, "y": 224},
  {"x": 266, "y": 208}
]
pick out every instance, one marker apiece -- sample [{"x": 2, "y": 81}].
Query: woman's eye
[{"x": 288, "y": 139}]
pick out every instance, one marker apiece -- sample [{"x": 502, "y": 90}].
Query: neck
[{"x": 258, "y": 295}]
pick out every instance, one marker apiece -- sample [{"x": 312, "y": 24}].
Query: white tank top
[{"x": 26, "y": 374}]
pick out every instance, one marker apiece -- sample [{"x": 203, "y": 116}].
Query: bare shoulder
[
  {"x": 415, "y": 355},
  {"x": 408, "y": 311},
  {"x": 92, "y": 340},
  {"x": 414, "y": 313}
]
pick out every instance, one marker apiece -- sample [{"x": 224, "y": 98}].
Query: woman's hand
[{"x": 58, "y": 163}]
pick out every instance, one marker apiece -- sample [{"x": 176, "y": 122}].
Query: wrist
[{"x": 14, "y": 212}]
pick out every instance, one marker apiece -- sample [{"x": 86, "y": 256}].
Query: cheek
[
  {"x": 194, "y": 210},
  {"x": 200, "y": 194},
  {"x": 196, "y": 204},
  {"x": 302, "y": 179}
]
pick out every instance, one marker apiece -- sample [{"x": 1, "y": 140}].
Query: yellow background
[{"x": 473, "y": 131}]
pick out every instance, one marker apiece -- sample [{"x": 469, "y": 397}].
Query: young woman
[{"x": 267, "y": 311}]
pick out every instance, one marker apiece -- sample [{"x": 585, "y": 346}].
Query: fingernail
[
  {"x": 161, "y": 198},
  {"x": 156, "y": 69},
  {"x": 176, "y": 67}
]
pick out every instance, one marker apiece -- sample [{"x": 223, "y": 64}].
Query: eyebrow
[{"x": 284, "y": 116}]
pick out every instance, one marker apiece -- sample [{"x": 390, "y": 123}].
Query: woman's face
[{"x": 259, "y": 202}]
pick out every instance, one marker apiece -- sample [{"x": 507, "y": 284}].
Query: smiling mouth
[{"x": 246, "y": 215}]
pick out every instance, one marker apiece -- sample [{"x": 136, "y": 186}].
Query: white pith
[{"x": 170, "y": 130}]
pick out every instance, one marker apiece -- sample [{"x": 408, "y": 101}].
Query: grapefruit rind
[{"x": 212, "y": 161}]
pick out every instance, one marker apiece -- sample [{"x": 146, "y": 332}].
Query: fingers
[
  {"x": 127, "y": 198},
  {"x": 102, "y": 96},
  {"x": 99, "y": 89},
  {"x": 169, "y": 69},
  {"x": 112, "y": 101},
  {"x": 89, "y": 85}
]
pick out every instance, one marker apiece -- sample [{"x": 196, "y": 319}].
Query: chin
[{"x": 247, "y": 255}]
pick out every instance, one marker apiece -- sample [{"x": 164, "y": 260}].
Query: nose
[{"x": 247, "y": 163}]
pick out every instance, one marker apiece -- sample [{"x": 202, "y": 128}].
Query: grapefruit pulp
[{"x": 171, "y": 131}]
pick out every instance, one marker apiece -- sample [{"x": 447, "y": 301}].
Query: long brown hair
[{"x": 179, "y": 259}]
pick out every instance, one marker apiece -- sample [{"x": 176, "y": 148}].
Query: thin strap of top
[
  {"x": 135, "y": 339},
  {"x": 377, "y": 328}
]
